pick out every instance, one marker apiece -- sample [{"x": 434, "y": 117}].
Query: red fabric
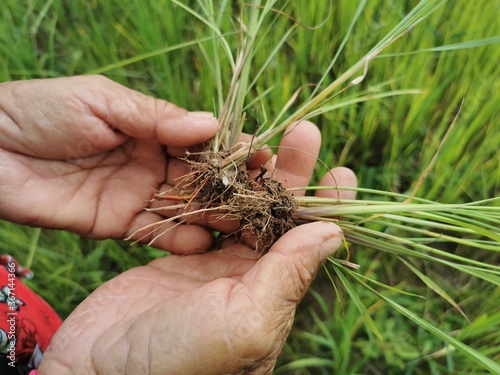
[{"x": 27, "y": 322}]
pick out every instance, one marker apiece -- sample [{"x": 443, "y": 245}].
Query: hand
[
  {"x": 84, "y": 154},
  {"x": 211, "y": 313}
]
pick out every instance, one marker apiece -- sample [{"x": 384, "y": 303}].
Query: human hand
[
  {"x": 212, "y": 313},
  {"x": 84, "y": 154}
]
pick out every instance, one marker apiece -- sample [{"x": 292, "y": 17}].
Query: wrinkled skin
[{"x": 84, "y": 154}]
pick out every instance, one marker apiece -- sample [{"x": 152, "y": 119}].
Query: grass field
[{"x": 452, "y": 56}]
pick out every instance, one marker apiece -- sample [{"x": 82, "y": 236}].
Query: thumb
[
  {"x": 283, "y": 276},
  {"x": 144, "y": 117}
]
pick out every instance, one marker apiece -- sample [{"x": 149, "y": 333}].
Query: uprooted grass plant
[{"x": 257, "y": 69}]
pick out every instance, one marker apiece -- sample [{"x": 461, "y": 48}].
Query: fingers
[
  {"x": 144, "y": 117},
  {"x": 297, "y": 155},
  {"x": 341, "y": 177},
  {"x": 282, "y": 276}
]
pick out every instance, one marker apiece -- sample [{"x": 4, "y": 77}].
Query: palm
[
  {"x": 150, "y": 318},
  {"x": 99, "y": 196}
]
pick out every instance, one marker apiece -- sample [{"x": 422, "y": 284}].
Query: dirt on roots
[{"x": 263, "y": 207}]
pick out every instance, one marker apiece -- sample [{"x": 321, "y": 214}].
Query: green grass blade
[
  {"x": 434, "y": 286},
  {"x": 474, "y": 355},
  {"x": 303, "y": 363},
  {"x": 450, "y": 47},
  {"x": 161, "y": 51},
  {"x": 370, "y": 324}
]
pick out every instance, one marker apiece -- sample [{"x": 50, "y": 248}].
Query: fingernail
[
  {"x": 332, "y": 242},
  {"x": 201, "y": 115}
]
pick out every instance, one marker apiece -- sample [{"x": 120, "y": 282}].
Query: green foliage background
[{"x": 387, "y": 142}]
